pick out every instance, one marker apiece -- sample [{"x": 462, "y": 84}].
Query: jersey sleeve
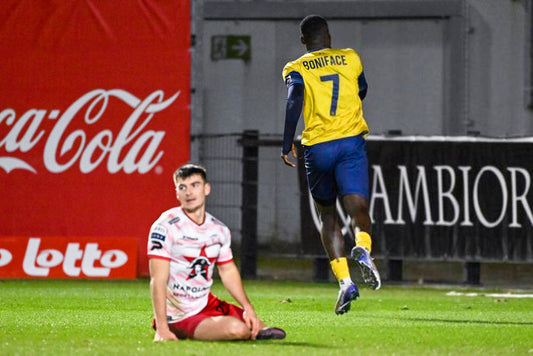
[
  {"x": 293, "y": 110},
  {"x": 358, "y": 64},
  {"x": 360, "y": 75},
  {"x": 291, "y": 75},
  {"x": 159, "y": 245},
  {"x": 363, "y": 85},
  {"x": 225, "y": 255}
]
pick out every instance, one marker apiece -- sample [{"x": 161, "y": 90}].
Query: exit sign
[{"x": 230, "y": 47}]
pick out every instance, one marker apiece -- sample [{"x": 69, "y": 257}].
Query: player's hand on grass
[
  {"x": 285, "y": 158},
  {"x": 252, "y": 321},
  {"x": 164, "y": 335}
]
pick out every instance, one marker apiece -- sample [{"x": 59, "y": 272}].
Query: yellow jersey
[{"x": 332, "y": 108}]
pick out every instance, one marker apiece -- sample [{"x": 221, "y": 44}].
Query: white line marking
[{"x": 493, "y": 295}]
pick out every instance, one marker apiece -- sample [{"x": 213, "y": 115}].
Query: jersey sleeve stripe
[
  {"x": 160, "y": 257},
  {"x": 224, "y": 262}
]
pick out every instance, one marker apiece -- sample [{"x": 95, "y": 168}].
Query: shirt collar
[{"x": 316, "y": 49}]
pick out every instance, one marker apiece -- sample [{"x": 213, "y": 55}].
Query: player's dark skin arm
[{"x": 286, "y": 160}]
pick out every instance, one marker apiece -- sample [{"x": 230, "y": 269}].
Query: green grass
[{"x": 77, "y": 317}]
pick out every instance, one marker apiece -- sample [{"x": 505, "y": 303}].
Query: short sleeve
[
  {"x": 225, "y": 255},
  {"x": 358, "y": 63},
  {"x": 159, "y": 242},
  {"x": 291, "y": 75}
]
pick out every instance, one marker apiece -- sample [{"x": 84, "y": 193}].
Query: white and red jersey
[{"x": 192, "y": 250}]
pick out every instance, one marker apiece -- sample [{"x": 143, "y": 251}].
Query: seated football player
[{"x": 184, "y": 245}]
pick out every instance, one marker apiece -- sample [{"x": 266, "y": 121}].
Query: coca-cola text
[{"x": 63, "y": 149}]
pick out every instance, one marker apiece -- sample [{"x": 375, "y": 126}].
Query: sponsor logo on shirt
[
  {"x": 156, "y": 236},
  {"x": 200, "y": 265},
  {"x": 173, "y": 221},
  {"x": 189, "y": 289},
  {"x": 185, "y": 237}
]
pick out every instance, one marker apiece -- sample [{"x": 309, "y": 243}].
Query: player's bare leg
[
  {"x": 331, "y": 234},
  {"x": 333, "y": 243},
  {"x": 357, "y": 207},
  {"x": 219, "y": 328},
  {"x": 222, "y": 328}
]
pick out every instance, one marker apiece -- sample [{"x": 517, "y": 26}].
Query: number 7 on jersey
[{"x": 334, "y": 93}]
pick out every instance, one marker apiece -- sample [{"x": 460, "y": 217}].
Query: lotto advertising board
[
  {"x": 63, "y": 257},
  {"x": 94, "y": 118}
]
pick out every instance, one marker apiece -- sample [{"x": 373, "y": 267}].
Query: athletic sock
[
  {"x": 364, "y": 240},
  {"x": 345, "y": 283},
  {"x": 340, "y": 269}
]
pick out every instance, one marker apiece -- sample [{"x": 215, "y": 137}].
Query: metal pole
[{"x": 250, "y": 169}]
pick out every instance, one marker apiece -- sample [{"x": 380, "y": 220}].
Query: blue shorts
[{"x": 337, "y": 168}]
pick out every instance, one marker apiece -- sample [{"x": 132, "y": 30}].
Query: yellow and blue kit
[
  {"x": 333, "y": 80},
  {"x": 329, "y": 85}
]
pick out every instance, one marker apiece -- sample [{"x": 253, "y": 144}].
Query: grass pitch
[{"x": 78, "y": 317}]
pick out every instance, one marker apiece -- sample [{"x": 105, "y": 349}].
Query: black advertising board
[{"x": 440, "y": 198}]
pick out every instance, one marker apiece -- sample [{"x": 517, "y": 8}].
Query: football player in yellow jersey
[{"x": 329, "y": 85}]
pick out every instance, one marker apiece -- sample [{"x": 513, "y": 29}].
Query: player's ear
[
  {"x": 302, "y": 39},
  {"x": 207, "y": 189}
]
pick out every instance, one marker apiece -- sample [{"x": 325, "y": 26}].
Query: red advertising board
[
  {"x": 94, "y": 116},
  {"x": 63, "y": 257}
]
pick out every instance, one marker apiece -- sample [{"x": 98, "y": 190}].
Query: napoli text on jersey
[{"x": 332, "y": 107}]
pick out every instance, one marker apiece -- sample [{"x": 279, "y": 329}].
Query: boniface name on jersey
[{"x": 324, "y": 61}]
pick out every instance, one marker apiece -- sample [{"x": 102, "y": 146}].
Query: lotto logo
[
  {"x": 56, "y": 257},
  {"x": 5, "y": 257}
]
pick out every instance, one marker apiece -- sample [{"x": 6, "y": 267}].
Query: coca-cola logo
[{"x": 68, "y": 144}]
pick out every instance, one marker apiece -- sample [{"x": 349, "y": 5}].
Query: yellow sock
[
  {"x": 363, "y": 239},
  {"x": 340, "y": 268}
]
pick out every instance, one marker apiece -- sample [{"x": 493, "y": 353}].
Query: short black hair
[
  {"x": 188, "y": 170},
  {"x": 312, "y": 25}
]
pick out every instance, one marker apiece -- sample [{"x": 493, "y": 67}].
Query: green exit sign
[{"x": 230, "y": 47}]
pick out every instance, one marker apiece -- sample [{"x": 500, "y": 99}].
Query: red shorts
[{"x": 185, "y": 328}]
